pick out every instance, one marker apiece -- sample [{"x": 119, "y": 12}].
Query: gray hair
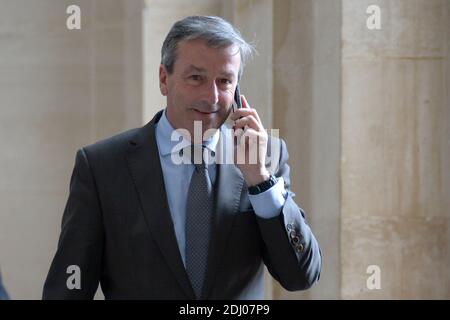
[{"x": 216, "y": 31}]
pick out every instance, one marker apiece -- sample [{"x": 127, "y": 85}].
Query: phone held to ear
[
  {"x": 237, "y": 97},
  {"x": 236, "y": 105}
]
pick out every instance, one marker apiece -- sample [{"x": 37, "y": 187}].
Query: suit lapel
[{"x": 145, "y": 168}]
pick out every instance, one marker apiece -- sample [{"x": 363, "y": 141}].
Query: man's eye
[
  {"x": 196, "y": 77},
  {"x": 225, "y": 81}
]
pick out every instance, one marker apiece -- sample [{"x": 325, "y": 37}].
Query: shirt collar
[{"x": 167, "y": 146}]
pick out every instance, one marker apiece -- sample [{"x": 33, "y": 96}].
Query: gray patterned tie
[{"x": 199, "y": 214}]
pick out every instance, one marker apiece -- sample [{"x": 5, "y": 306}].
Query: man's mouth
[{"x": 205, "y": 112}]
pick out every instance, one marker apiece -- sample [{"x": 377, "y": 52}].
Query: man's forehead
[
  {"x": 226, "y": 70},
  {"x": 199, "y": 42},
  {"x": 196, "y": 52}
]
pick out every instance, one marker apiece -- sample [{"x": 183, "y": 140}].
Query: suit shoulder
[{"x": 112, "y": 145}]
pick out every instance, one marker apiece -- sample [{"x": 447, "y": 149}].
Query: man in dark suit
[{"x": 147, "y": 226}]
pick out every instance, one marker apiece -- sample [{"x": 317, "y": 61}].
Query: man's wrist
[
  {"x": 255, "y": 180},
  {"x": 263, "y": 186}
]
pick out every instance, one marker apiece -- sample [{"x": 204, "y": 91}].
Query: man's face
[{"x": 201, "y": 86}]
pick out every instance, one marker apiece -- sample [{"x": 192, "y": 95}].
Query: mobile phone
[
  {"x": 237, "y": 97},
  {"x": 235, "y": 105}
]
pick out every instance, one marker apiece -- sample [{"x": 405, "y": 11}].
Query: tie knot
[{"x": 198, "y": 156}]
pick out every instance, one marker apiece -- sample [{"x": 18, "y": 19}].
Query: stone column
[
  {"x": 306, "y": 108},
  {"x": 60, "y": 89},
  {"x": 396, "y": 149}
]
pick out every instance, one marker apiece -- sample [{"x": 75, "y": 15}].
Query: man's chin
[
  {"x": 209, "y": 132},
  {"x": 207, "y": 129}
]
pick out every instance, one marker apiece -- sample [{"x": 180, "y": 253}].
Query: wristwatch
[{"x": 263, "y": 186}]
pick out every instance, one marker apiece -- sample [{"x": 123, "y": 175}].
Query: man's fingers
[
  {"x": 243, "y": 112},
  {"x": 249, "y": 121},
  {"x": 244, "y": 102}
]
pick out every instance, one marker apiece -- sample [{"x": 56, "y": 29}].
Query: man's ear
[{"x": 163, "y": 80}]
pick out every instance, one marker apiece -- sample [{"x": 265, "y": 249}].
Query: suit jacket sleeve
[
  {"x": 291, "y": 252},
  {"x": 81, "y": 239}
]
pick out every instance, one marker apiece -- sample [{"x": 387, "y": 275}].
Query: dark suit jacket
[
  {"x": 117, "y": 228},
  {"x": 3, "y": 293}
]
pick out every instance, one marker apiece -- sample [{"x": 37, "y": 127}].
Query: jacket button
[{"x": 299, "y": 248}]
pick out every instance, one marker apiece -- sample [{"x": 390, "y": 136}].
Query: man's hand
[{"x": 251, "y": 147}]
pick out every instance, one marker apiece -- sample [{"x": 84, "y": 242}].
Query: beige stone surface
[
  {"x": 410, "y": 29},
  {"x": 306, "y": 108},
  {"x": 395, "y": 150},
  {"x": 410, "y": 252},
  {"x": 59, "y": 90}
]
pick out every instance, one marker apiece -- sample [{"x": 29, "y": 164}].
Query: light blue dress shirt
[{"x": 177, "y": 178}]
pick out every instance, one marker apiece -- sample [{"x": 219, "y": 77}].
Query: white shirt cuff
[{"x": 268, "y": 204}]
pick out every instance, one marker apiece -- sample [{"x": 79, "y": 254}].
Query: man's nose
[{"x": 212, "y": 94}]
